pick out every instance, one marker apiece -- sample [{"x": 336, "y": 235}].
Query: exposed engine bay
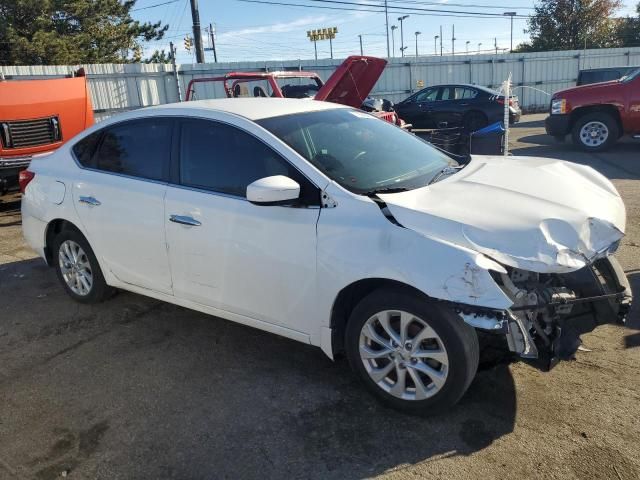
[{"x": 552, "y": 310}]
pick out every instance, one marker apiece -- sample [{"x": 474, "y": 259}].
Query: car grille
[{"x": 30, "y": 133}]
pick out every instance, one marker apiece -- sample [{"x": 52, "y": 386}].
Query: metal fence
[{"x": 120, "y": 87}]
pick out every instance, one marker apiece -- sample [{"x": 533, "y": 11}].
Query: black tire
[
  {"x": 597, "y": 143},
  {"x": 474, "y": 121},
  {"x": 99, "y": 290},
  {"x": 458, "y": 339}
]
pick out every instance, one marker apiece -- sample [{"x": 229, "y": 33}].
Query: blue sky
[{"x": 252, "y": 31}]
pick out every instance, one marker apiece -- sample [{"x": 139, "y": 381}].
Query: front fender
[{"x": 360, "y": 243}]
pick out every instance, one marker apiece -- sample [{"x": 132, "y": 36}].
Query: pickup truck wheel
[
  {"x": 414, "y": 355},
  {"x": 78, "y": 269},
  {"x": 595, "y": 131}
]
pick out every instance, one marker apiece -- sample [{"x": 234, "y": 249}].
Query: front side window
[
  {"x": 222, "y": 158},
  {"x": 428, "y": 95},
  {"x": 139, "y": 148},
  {"x": 360, "y": 152}
]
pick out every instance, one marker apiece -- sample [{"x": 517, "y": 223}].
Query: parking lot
[{"x": 136, "y": 388}]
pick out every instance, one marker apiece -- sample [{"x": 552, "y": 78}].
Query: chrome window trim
[{"x": 187, "y": 187}]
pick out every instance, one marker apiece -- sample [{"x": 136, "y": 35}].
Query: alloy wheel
[
  {"x": 403, "y": 355},
  {"x": 75, "y": 268}
]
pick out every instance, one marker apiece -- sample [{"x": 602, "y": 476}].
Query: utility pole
[
  {"x": 453, "y": 39},
  {"x": 331, "y": 48},
  {"x": 315, "y": 48},
  {"x": 361, "y": 52},
  {"x": 440, "y": 40},
  {"x": 386, "y": 17},
  {"x": 213, "y": 44},
  {"x": 511, "y": 15},
  {"x": 175, "y": 70},
  {"x": 468, "y": 42},
  {"x": 479, "y": 45},
  {"x": 435, "y": 44},
  {"x": 495, "y": 43},
  {"x": 417, "y": 33},
  {"x": 197, "y": 34},
  {"x": 401, "y": 19},
  {"x": 393, "y": 40}
]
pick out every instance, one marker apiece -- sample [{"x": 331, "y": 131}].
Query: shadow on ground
[{"x": 139, "y": 388}]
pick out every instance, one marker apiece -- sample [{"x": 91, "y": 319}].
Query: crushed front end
[{"x": 551, "y": 310}]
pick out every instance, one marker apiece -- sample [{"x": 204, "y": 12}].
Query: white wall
[{"x": 117, "y": 87}]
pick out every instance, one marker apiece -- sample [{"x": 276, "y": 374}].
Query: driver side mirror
[{"x": 275, "y": 190}]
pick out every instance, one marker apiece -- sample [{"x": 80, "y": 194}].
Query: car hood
[
  {"x": 587, "y": 87},
  {"x": 536, "y": 214},
  {"x": 352, "y": 81}
]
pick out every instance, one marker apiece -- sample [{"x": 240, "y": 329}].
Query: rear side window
[
  {"x": 140, "y": 148},
  {"x": 221, "y": 158},
  {"x": 85, "y": 148},
  {"x": 463, "y": 93}
]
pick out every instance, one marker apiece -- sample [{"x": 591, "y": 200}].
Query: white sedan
[{"x": 323, "y": 224}]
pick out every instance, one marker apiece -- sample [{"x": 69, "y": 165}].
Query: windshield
[
  {"x": 633, "y": 74},
  {"x": 359, "y": 151}
]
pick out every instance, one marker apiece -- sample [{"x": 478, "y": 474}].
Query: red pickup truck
[{"x": 597, "y": 115}]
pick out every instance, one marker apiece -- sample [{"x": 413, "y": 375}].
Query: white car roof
[{"x": 251, "y": 108}]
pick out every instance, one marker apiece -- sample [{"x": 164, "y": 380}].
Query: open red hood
[{"x": 352, "y": 81}]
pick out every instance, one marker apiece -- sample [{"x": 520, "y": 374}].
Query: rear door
[
  {"x": 632, "y": 92},
  {"x": 119, "y": 196}
]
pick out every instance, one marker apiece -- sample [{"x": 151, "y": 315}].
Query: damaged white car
[{"x": 323, "y": 224}]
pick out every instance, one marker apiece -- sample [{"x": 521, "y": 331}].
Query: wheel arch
[
  {"x": 54, "y": 227},
  {"x": 579, "y": 112},
  {"x": 350, "y": 296}
]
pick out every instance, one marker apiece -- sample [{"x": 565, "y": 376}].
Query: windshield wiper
[
  {"x": 386, "y": 190},
  {"x": 448, "y": 170}
]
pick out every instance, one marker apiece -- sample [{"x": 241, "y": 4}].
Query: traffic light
[{"x": 188, "y": 44}]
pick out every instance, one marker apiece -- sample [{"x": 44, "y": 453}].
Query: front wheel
[
  {"x": 413, "y": 354},
  {"x": 595, "y": 131}
]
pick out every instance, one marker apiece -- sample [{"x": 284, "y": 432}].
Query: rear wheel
[
  {"x": 78, "y": 269},
  {"x": 414, "y": 355},
  {"x": 595, "y": 131}
]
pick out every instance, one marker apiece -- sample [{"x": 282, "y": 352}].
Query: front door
[
  {"x": 227, "y": 253},
  {"x": 119, "y": 196}
]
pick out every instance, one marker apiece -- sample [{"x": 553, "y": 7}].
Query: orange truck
[{"x": 36, "y": 117}]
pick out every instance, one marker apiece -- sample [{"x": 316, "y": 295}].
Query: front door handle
[
  {"x": 185, "y": 220},
  {"x": 90, "y": 201}
]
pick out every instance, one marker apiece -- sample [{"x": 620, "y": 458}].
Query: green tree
[
  {"x": 568, "y": 24},
  {"x": 629, "y": 30},
  {"x": 50, "y": 32},
  {"x": 158, "y": 57}
]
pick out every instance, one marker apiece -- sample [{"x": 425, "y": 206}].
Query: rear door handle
[
  {"x": 185, "y": 220},
  {"x": 90, "y": 201}
]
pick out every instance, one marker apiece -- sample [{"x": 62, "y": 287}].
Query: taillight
[
  {"x": 24, "y": 177},
  {"x": 500, "y": 100}
]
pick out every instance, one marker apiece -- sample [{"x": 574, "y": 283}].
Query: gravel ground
[{"x": 136, "y": 388}]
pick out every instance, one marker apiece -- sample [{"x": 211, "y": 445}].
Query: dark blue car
[{"x": 446, "y": 106}]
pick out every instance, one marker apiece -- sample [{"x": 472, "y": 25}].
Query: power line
[
  {"x": 154, "y": 6},
  {"x": 380, "y": 9},
  {"x": 465, "y": 5},
  {"x": 439, "y": 10}
]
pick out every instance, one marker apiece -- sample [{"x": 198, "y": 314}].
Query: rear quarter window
[{"x": 85, "y": 148}]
